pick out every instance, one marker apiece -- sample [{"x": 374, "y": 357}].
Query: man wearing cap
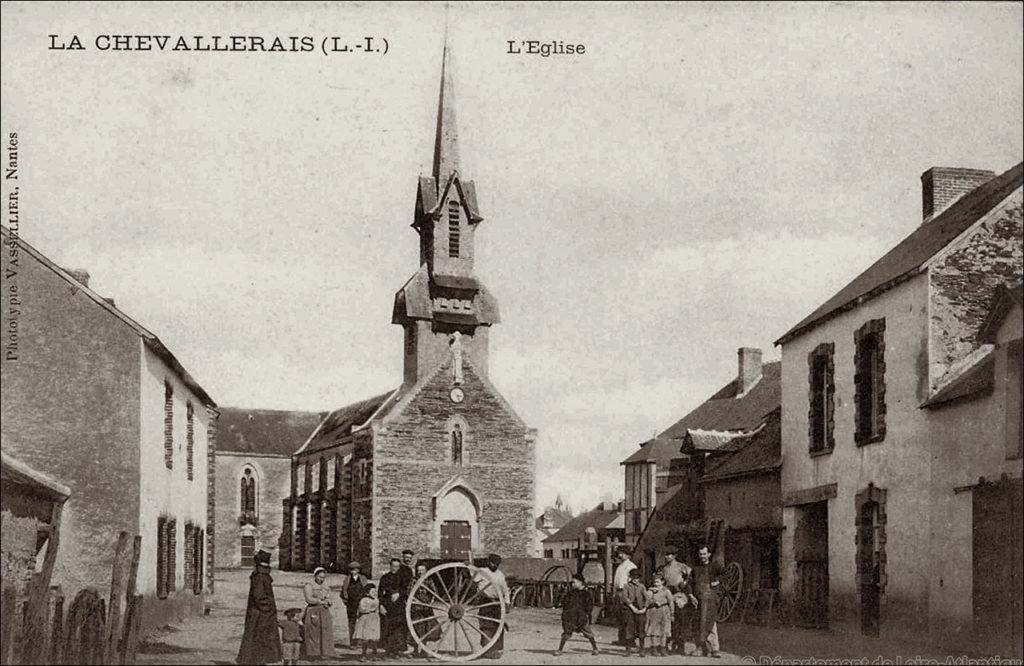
[
  {"x": 677, "y": 575},
  {"x": 492, "y": 592},
  {"x": 408, "y": 570},
  {"x": 620, "y": 579},
  {"x": 261, "y": 643},
  {"x": 351, "y": 592}
]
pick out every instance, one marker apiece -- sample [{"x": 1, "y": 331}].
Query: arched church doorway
[{"x": 457, "y": 521}]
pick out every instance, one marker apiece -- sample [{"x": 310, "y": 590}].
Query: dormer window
[{"x": 453, "y": 228}]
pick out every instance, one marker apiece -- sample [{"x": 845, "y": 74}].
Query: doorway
[
  {"x": 456, "y": 539},
  {"x": 998, "y": 559},
  {"x": 811, "y": 550},
  {"x": 868, "y": 569},
  {"x": 248, "y": 546}
]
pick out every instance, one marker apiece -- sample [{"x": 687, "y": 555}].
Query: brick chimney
[
  {"x": 941, "y": 186},
  {"x": 79, "y": 274},
  {"x": 749, "y": 369}
]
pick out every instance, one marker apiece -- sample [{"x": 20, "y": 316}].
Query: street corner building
[
  {"x": 253, "y": 474},
  {"x": 95, "y": 400},
  {"x": 901, "y": 431},
  {"x": 442, "y": 464}
]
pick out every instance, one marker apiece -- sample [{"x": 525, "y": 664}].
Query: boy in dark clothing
[
  {"x": 291, "y": 635},
  {"x": 577, "y": 607},
  {"x": 635, "y": 597}
]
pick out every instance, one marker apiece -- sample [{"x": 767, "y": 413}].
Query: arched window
[
  {"x": 247, "y": 498},
  {"x": 457, "y": 441},
  {"x": 456, "y": 438}
]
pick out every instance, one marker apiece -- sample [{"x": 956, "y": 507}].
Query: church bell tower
[{"x": 443, "y": 303}]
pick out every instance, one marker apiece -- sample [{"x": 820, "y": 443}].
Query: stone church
[{"x": 442, "y": 464}]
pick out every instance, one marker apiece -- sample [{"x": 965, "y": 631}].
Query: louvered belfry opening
[{"x": 453, "y": 228}]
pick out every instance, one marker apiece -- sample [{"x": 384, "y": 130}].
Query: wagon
[{"x": 449, "y": 615}]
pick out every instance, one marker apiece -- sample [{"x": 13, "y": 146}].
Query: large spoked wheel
[
  {"x": 732, "y": 586},
  {"x": 450, "y": 617}
]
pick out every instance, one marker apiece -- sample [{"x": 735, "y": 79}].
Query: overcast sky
[{"x": 702, "y": 178}]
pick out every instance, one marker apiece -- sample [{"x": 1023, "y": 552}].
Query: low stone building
[
  {"x": 876, "y": 534},
  {"x": 254, "y": 461},
  {"x": 442, "y": 464},
  {"x": 605, "y": 521},
  {"x": 550, "y": 521},
  {"x": 93, "y": 398}
]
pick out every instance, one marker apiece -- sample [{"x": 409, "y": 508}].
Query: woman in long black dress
[{"x": 261, "y": 643}]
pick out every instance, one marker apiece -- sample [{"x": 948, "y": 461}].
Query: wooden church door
[
  {"x": 456, "y": 539},
  {"x": 248, "y": 550}
]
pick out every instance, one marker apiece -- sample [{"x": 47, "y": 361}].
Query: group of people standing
[
  {"x": 374, "y": 615},
  {"x": 680, "y": 605}
]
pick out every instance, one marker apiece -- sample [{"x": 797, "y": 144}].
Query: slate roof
[
  {"x": 975, "y": 380},
  {"x": 599, "y": 519},
  {"x": 264, "y": 431},
  {"x": 711, "y": 440},
  {"x": 722, "y": 411},
  {"x": 148, "y": 338},
  {"x": 339, "y": 424},
  {"x": 903, "y": 261},
  {"x": 760, "y": 451}
]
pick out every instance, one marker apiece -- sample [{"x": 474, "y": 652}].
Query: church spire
[{"x": 446, "y": 143}]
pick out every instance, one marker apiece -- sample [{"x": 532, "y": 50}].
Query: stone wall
[
  {"x": 413, "y": 462},
  {"x": 964, "y": 280},
  {"x": 273, "y": 487}
]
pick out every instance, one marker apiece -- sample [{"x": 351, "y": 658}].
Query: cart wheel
[
  {"x": 516, "y": 598},
  {"x": 443, "y": 613},
  {"x": 732, "y": 586}
]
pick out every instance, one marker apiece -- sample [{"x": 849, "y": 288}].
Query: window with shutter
[
  {"x": 869, "y": 382},
  {"x": 172, "y": 555},
  {"x": 821, "y": 382},
  {"x": 1013, "y": 431},
  {"x": 168, "y": 426},
  {"x": 161, "y": 558},
  {"x": 189, "y": 441}
]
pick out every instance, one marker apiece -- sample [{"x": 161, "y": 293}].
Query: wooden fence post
[
  {"x": 8, "y": 623},
  {"x": 57, "y": 627},
  {"x": 118, "y": 575},
  {"x": 129, "y": 643}
]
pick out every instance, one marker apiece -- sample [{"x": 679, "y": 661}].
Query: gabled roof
[
  {"x": 723, "y": 411},
  {"x": 148, "y": 338},
  {"x": 264, "y": 431},
  {"x": 755, "y": 453},
  {"x": 1005, "y": 298},
  {"x": 340, "y": 423},
  {"x": 972, "y": 381},
  {"x": 599, "y": 519},
  {"x": 557, "y": 517},
  {"x": 903, "y": 261}
]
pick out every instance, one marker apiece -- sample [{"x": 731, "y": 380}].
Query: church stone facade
[{"x": 442, "y": 464}]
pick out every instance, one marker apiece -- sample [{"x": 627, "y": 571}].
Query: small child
[
  {"x": 367, "y": 631},
  {"x": 660, "y": 607},
  {"x": 635, "y": 597},
  {"x": 291, "y": 635},
  {"x": 577, "y": 606}
]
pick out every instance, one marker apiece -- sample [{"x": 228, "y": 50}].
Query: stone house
[
  {"x": 442, "y": 464},
  {"x": 254, "y": 461},
  {"x": 95, "y": 399},
  {"x": 875, "y": 533},
  {"x": 736, "y": 489},
  {"x": 605, "y": 521},
  {"x": 661, "y": 470},
  {"x": 550, "y": 521}
]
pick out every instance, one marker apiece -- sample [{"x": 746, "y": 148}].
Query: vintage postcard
[{"x": 527, "y": 332}]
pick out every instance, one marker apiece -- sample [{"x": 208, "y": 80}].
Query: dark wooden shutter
[
  {"x": 172, "y": 554},
  {"x": 168, "y": 426},
  {"x": 161, "y": 557},
  {"x": 189, "y": 442}
]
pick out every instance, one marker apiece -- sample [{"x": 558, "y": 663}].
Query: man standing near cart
[
  {"x": 705, "y": 587},
  {"x": 493, "y": 590},
  {"x": 620, "y": 579}
]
